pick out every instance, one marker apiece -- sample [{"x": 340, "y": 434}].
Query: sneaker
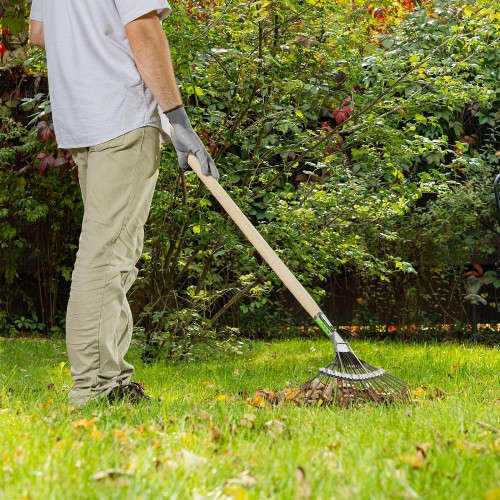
[{"x": 131, "y": 393}]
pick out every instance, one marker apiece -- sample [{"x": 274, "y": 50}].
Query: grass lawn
[{"x": 203, "y": 440}]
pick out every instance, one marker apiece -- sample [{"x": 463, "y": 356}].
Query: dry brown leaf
[
  {"x": 303, "y": 487},
  {"x": 248, "y": 420},
  {"x": 247, "y": 480},
  {"x": 214, "y": 433},
  {"x": 413, "y": 460},
  {"x": 109, "y": 473},
  {"x": 467, "y": 445},
  {"x": 275, "y": 427},
  {"x": 204, "y": 415},
  {"x": 440, "y": 393},
  {"x": 271, "y": 396},
  {"x": 488, "y": 427},
  {"x": 257, "y": 401},
  {"x": 335, "y": 446},
  {"x": 85, "y": 423},
  {"x": 422, "y": 450}
]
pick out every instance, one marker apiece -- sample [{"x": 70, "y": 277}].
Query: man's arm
[
  {"x": 151, "y": 53},
  {"x": 36, "y": 33}
]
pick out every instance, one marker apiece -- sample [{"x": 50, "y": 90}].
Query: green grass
[{"x": 197, "y": 443}]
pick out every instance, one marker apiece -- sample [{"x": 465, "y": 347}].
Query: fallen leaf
[
  {"x": 488, "y": 427},
  {"x": 248, "y": 420},
  {"x": 275, "y": 427},
  {"x": 271, "y": 396},
  {"x": 94, "y": 433},
  {"x": 204, "y": 415},
  {"x": 191, "y": 459},
  {"x": 214, "y": 433},
  {"x": 420, "y": 392},
  {"x": 467, "y": 445},
  {"x": 422, "y": 449},
  {"x": 257, "y": 401},
  {"x": 120, "y": 436},
  {"x": 140, "y": 429},
  {"x": 413, "y": 460},
  {"x": 247, "y": 479},
  {"x": 84, "y": 422},
  {"x": 335, "y": 446},
  {"x": 109, "y": 473},
  {"x": 440, "y": 393},
  {"x": 237, "y": 492},
  {"x": 303, "y": 487}
]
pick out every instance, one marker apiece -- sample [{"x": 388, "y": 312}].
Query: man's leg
[{"x": 117, "y": 188}]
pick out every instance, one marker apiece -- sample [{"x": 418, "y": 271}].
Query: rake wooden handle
[{"x": 257, "y": 240}]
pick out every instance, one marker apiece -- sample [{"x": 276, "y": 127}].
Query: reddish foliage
[
  {"x": 45, "y": 161},
  {"x": 478, "y": 271},
  {"x": 341, "y": 114},
  {"x": 45, "y": 131}
]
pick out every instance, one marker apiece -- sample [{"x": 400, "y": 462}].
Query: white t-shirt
[{"x": 96, "y": 91}]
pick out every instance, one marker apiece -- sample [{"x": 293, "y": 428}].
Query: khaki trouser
[{"x": 117, "y": 180}]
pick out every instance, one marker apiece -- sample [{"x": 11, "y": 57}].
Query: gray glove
[{"x": 186, "y": 142}]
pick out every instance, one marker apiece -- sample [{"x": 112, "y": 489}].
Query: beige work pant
[{"x": 117, "y": 180}]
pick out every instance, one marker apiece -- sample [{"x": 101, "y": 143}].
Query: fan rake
[{"x": 347, "y": 380}]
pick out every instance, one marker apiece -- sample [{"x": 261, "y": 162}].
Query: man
[{"x": 109, "y": 68}]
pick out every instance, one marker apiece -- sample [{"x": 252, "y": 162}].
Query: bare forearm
[
  {"x": 36, "y": 33},
  {"x": 151, "y": 53}
]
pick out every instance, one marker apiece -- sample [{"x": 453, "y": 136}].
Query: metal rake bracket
[{"x": 352, "y": 376}]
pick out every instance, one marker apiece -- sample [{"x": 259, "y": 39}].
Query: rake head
[{"x": 349, "y": 381}]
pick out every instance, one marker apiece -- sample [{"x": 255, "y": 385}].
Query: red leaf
[
  {"x": 47, "y": 161},
  {"x": 378, "y": 14},
  {"x": 341, "y": 114},
  {"x": 44, "y": 134},
  {"x": 478, "y": 268},
  {"x": 61, "y": 161},
  {"x": 42, "y": 166}
]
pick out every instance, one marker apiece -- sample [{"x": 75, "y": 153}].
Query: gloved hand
[{"x": 186, "y": 142}]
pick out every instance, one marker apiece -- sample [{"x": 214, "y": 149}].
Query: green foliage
[
  {"x": 347, "y": 140},
  {"x": 361, "y": 140},
  {"x": 40, "y": 210}
]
